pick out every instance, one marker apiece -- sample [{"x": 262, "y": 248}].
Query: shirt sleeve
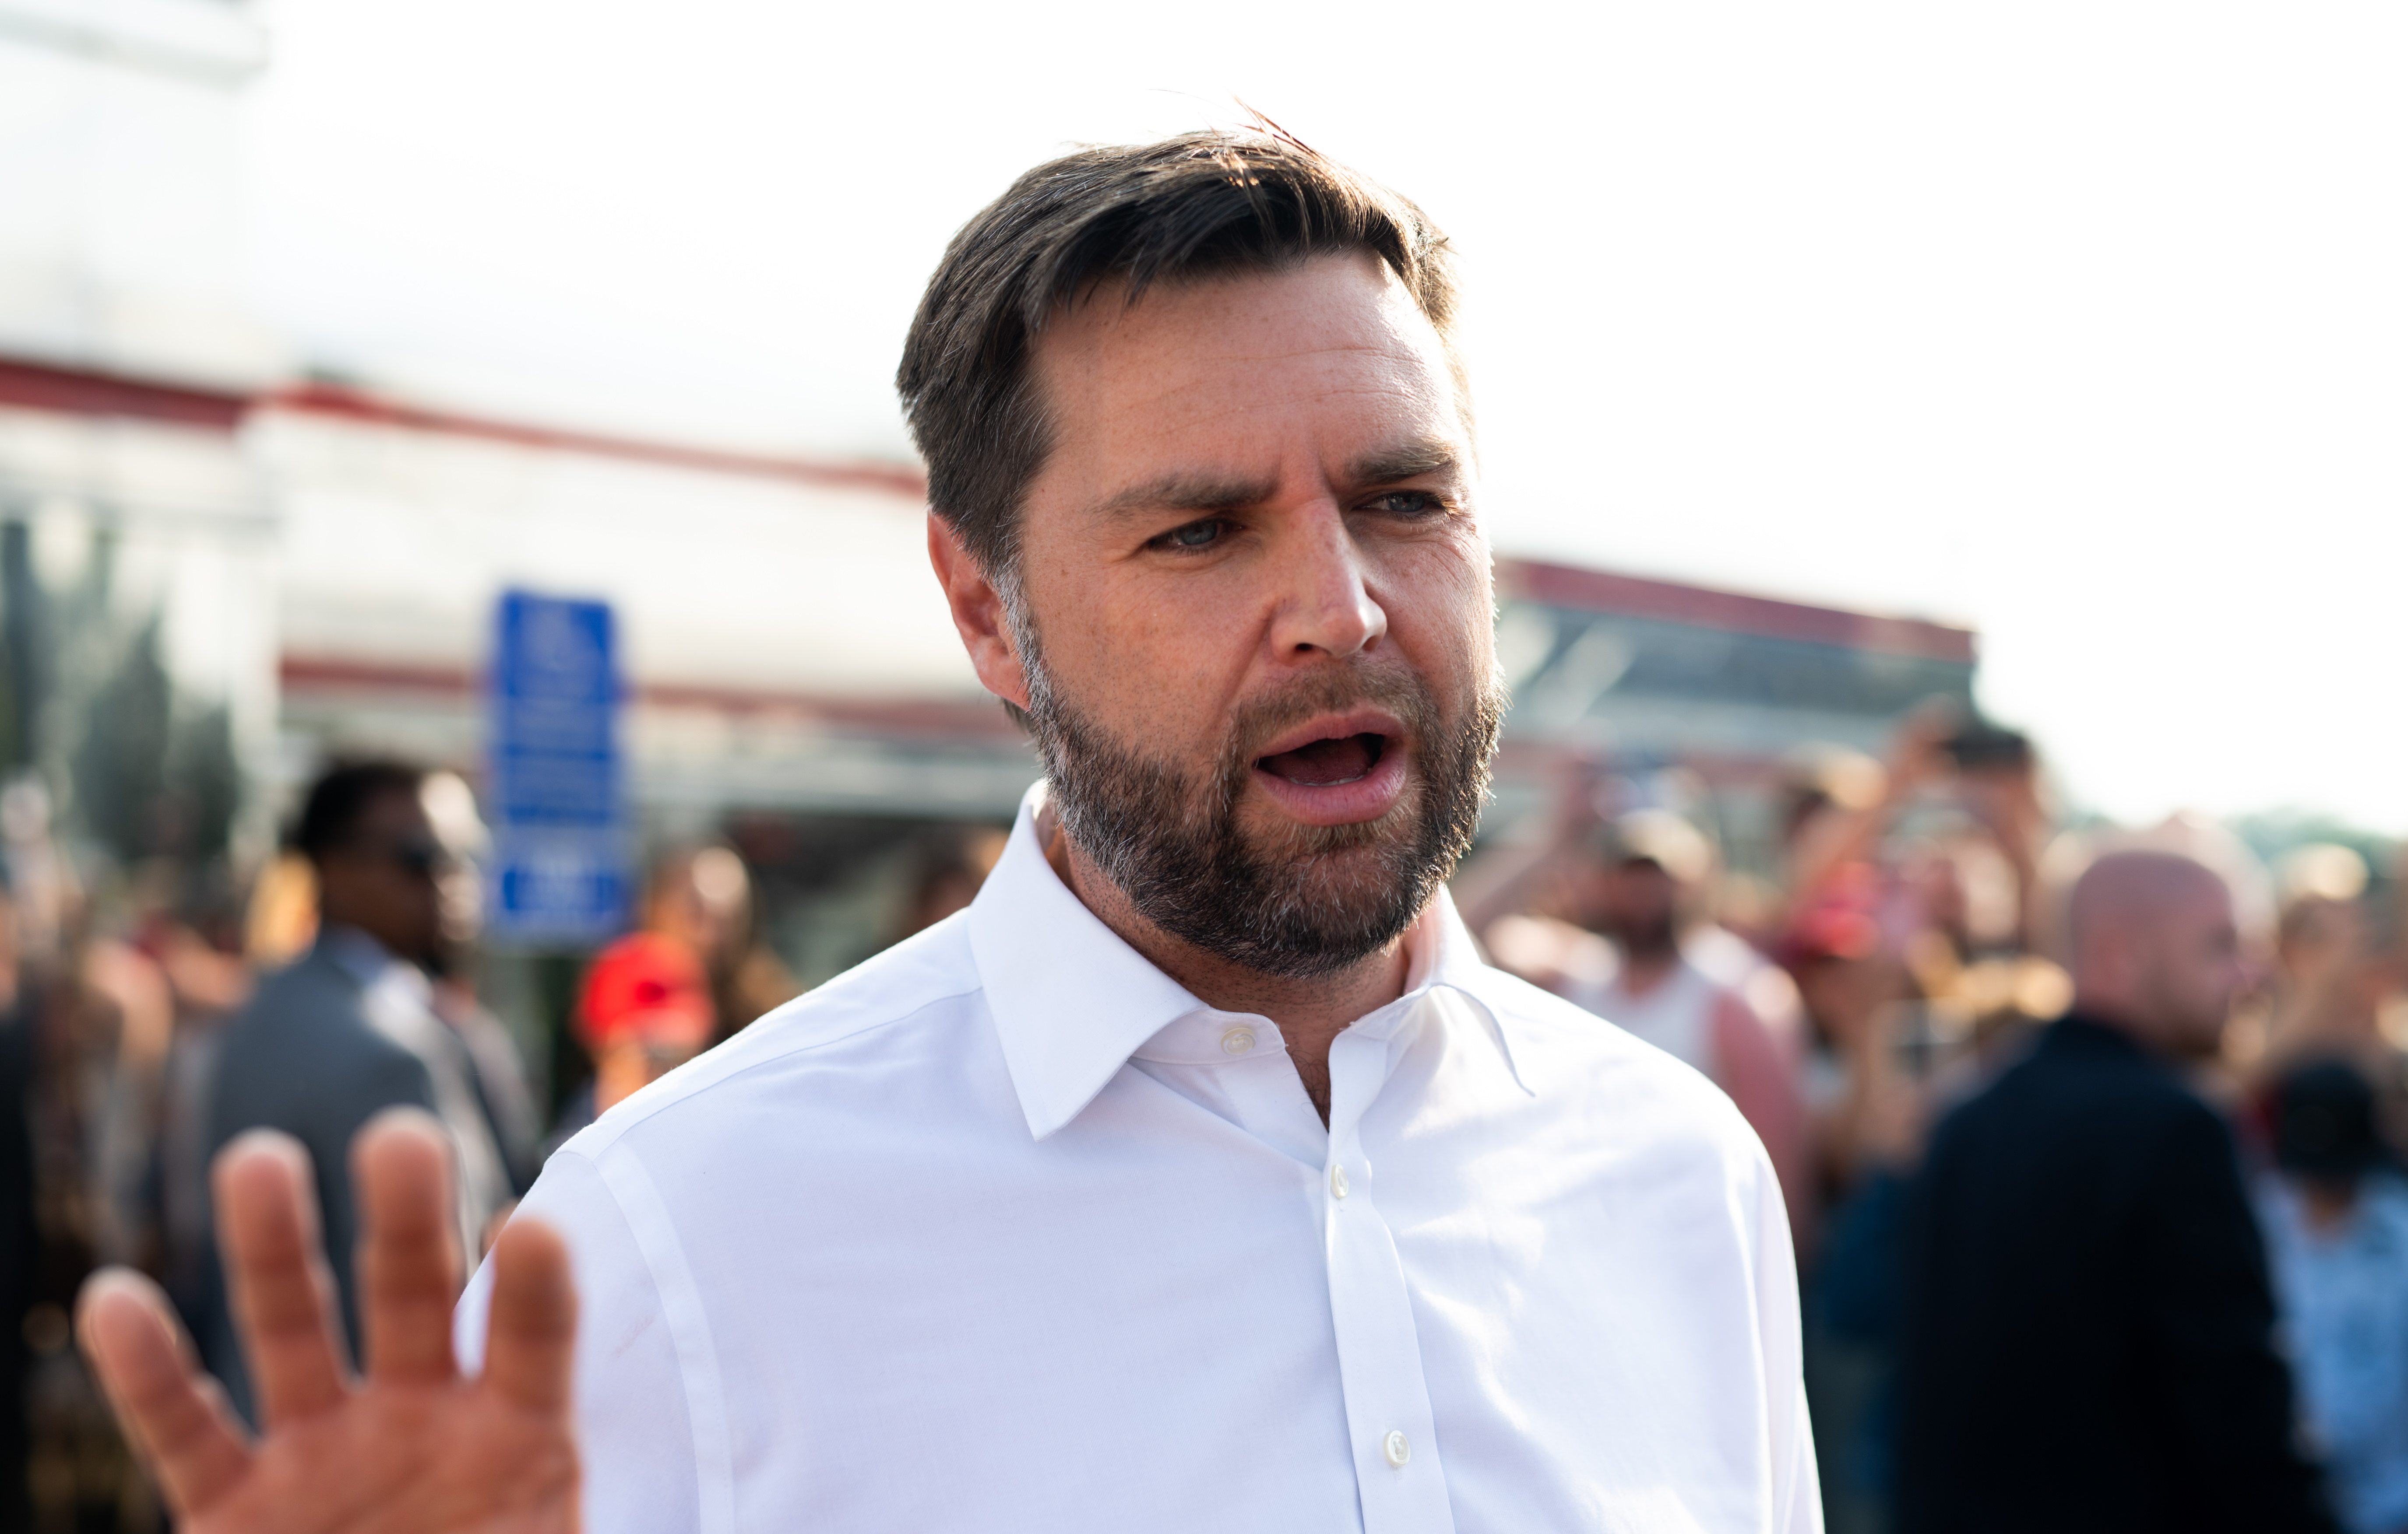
[
  {"x": 2207, "y": 1317},
  {"x": 635, "y": 1437}
]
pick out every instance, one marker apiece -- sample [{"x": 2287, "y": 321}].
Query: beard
[
  {"x": 1650, "y": 936},
  {"x": 1303, "y": 901}
]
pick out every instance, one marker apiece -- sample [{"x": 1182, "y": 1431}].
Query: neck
[
  {"x": 330, "y": 917},
  {"x": 1311, "y": 1011},
  {"x": 2108, "y": 1014},
  {"x": 2137, "y": 1024}
]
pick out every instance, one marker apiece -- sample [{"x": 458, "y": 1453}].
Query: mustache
[
  {"x": 1263, "y": 719},
  {"x": 1289, "y": 898}
]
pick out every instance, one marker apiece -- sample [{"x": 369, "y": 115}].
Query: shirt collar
[
  {"x": 1073, "y": 1002},
  {"x": 372, "y": 964},
  {"x": 356, "y": 954}
]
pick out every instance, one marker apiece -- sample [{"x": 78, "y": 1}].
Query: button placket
[{"x": 1397, "y": 1473}]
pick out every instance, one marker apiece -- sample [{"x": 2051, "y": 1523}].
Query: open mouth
[
  {"x": 1339, "y": 770},
  {"x": 1327, "y": 763}
]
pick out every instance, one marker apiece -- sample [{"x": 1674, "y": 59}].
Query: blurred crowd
[
  {"x": 1895, "y": 945},
  {"x": 148, "y": 1021},
  {"x": 1908, "y": 949}
]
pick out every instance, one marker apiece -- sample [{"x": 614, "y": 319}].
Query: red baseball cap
[{"x": 645, "y": 988}]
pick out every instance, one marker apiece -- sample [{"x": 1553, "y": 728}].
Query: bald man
[{"x": 2087, "y": 1336}]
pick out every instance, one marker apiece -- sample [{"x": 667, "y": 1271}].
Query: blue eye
[
  {"x": 1408, "y": 503},
  {"x": 1195, "y": 534}
]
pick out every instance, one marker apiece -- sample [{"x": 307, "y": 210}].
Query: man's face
[
  {"x": 2194, "y": 969},
  {"x": 384, "y": 880},
  {"x": 1637, "y": 906},
  {"x": 1258, "y": 596}
]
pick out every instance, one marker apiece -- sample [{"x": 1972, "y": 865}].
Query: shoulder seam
[{"x": 630, "y": 1186}]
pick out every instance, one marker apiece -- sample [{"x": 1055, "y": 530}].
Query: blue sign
[{"x": 554, "y": 773}]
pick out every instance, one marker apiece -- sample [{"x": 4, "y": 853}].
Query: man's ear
[{"x": 977, "y": 615}]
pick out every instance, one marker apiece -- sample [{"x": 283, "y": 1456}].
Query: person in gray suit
[{"x": 349, "y": 1030}]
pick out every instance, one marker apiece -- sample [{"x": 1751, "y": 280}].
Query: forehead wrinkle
[{"x": 1192, "y": 380}]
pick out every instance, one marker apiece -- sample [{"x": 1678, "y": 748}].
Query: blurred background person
[
  {"x": 2339, "y": 970},
  {"x": 1960, "y": 796},
  {"x": 70, "y": 1022},
  {"x": 2086, "y": 1336},
  {"x": 2336, "y": 1218},
  {"x": 19, "y": 1235},
  {"x": 1630, "y": 890},
  {"x": 645, "y": 1010},
  {"x": 499, "y": 1075},
  {"x": 2319, "y": 923},
  {"x": 948, "y": 868},
  {"x": 1866, "y": 1115},
  {"x": 701, "y": 898},
  {"x": 351, "y": 1029},
  {"x": 175, "y": 988}
]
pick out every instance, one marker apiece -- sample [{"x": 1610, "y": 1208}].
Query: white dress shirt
[{"x": 1005, "y": 1230}]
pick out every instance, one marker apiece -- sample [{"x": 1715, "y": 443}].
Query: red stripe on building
[
  {"x": 88, "y": 392},
  {"x": 329, "y": 400},
  {"x": 68, "y": 389},
  {"x": 1630, "y": 596},
  {"x": 949, "y": 717}
]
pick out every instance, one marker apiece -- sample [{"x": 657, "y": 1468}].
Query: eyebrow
[
  {"x": 1184, "y": 492},
  {"x": 1408, "y": 461},
  {"x": 1204, "y": 492}
]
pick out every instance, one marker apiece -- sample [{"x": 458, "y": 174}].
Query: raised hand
[{"x": 413, "y": 1448}]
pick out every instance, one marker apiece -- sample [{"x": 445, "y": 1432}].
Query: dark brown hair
[{"x": 1200, "y": 204}]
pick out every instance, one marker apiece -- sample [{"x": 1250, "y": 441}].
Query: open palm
[{"x": 413, "y": 1448}]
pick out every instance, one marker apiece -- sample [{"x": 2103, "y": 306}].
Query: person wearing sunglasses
[{"x": 349, "y": 1030}]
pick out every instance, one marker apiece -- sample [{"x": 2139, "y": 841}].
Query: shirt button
[
  {"x": 1338, "y": 1180},
  {"x": 1397, "y": 1449},
  {"x": 1237, "y": 1040}
]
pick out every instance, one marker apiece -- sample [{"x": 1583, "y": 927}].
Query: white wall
[
  {"x": 395, "y": 542},
  {"x": 121, "y": 238}
]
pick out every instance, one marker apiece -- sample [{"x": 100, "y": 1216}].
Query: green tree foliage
[{"x": 154, "y": 778}]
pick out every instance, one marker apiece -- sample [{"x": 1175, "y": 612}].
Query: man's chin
[{"x": 1347, "y": 876}]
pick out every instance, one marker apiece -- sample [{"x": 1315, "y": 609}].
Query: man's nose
[{"x": 1325, "y": 605}]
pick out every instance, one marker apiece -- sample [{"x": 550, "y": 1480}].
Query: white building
[{"x": 321, "y": 561}]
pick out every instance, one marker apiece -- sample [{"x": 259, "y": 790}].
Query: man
[
  {"x": 2088, "y": 1342},
  {"x": 1637, "y": 882},
  {"x": 701, "y": 898},
  {"x": 349, "y": 1030},
  {"x": 1641, "y": 888},
  {"x": 2336, "y": 1219},
  {"x": 1199, "y": 1176},
  {"x": 645, "y": 1010}
]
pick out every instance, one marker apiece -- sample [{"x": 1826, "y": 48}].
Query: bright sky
[{"x": 2084, "y": 324}]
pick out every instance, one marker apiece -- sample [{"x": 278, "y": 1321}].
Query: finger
[
  {"x": 531, "y": 1340},
  {"x": 409, "y": 1264},
  {"x": 283, "y": 1295},
  {"x": 176, "y": 1415}
]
